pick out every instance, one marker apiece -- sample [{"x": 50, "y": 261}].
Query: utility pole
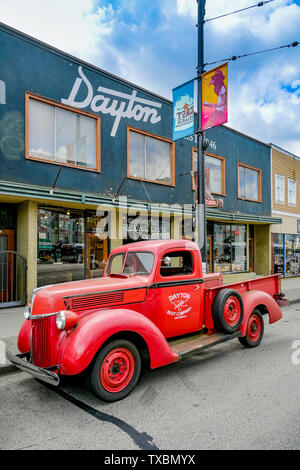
[{"x": 200, "y": 203}]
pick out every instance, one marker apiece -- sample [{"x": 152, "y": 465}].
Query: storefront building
[
  {"x": 87, "y": 163},
  {"x": 285, "y": 238},
  {"x": 238, "y": 231}
]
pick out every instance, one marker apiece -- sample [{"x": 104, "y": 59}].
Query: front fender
[
  {"x": 254, "y": 298},
  {"x": 24, "y": 337},
  {"x": 79, "y": 347}
]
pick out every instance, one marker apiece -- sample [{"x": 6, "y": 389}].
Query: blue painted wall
[{"x": 27, "y": 65}]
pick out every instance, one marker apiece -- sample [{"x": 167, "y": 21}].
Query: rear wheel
[
  {"x": 228, "y": 310},
  {"x": 255, "y": 330},
  {"x": 116, "y": 371}
]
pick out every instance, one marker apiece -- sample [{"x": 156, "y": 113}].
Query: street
[{"x": 227, "y": 397}]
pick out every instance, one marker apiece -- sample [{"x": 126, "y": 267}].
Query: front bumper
[{"x": 37, "y": 372}]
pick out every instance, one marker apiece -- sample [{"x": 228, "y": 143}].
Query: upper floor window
[
  {"x": 249, "y": 183},
  {"x": 214, "y": 172},
  {"x": 279, "y": 188},
  {"x": 57, "y": 134},
  {"x": 291, "y": 192},
  {"x": 150, "y": 158}
]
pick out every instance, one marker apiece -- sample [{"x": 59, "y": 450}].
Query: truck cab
[{"x": 153, "y": 305}]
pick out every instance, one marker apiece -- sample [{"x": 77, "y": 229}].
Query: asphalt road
[{"x": 225, "y": 398}]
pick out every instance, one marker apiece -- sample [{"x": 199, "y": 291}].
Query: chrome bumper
[{"x": 37, "y": 372}]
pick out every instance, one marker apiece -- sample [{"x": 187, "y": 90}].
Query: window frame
[
  {"x": 295, "y": 182},
  {"x": 258, "y": 170},
  {"x": 153, "y": 136},
  {"x": 275, "y": 186},
  {"x": 223, "y": 193},
  {"x": 48, "y": 101}
]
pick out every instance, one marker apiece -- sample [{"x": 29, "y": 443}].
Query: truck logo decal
[{"x": 180, "y": 305}]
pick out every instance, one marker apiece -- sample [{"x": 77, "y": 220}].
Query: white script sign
[{"x": 126, "y": 107}]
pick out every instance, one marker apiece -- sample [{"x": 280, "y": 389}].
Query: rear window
[{"x": 177, "y": 263}]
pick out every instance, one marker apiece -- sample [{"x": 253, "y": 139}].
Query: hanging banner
[
  {"x": 215, "y": 97},
  {"x": 183, "y": 110}
]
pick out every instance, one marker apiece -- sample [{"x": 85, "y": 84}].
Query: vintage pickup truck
[{"x": 153, "y": 306}]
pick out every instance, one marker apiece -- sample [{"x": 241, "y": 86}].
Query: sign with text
[
  {"x": 215, "y": 97},
  {"x": 183, "y": 110}
]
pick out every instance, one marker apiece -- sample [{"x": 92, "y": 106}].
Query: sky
[{"x": 154, "y": 45}]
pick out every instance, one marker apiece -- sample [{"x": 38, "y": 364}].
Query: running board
[{"x": 190, "y": 345}]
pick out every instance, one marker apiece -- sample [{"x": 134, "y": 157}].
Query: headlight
[
  {"x": 27, "y": 311},
  {"x": 65, "y": 320},
  {"x": 60, "y": 320}
]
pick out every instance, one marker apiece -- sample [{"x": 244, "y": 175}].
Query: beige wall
[
  {"x": 289, "y": 167},
  {"x": 262, "y": 249},
  {"x": 289, "y": 225},
  {"x": 27, "y": 241}
]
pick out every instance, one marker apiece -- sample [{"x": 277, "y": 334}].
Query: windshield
[{"x": 130, "y": 263}]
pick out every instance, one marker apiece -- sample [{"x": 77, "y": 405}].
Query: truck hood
[{"x": 89, "y": 294}]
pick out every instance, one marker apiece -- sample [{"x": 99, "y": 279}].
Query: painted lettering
[{"x": 130, "y": 106}]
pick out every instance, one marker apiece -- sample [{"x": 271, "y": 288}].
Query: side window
[{"x": 177, "y": 263}]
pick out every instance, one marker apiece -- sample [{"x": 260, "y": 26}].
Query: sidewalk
[
  {"x": 11, "y": 319},
  {"x": 291, "y": 288}
]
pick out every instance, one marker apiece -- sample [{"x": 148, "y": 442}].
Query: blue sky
[{"x": 154, "y": 44}]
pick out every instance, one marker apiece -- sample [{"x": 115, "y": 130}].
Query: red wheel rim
[
  {"x": 117, "y": 370},
  {"x": 254, "y": 328},
  {"x": 232, "y": 311}
]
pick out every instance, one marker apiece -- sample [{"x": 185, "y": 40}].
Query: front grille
[
  {"x": 41, "y": 352},
  {"x": 96, "y": 300}
]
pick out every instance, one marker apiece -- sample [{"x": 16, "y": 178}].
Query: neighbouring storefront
[{"x": 286, "y": 254}]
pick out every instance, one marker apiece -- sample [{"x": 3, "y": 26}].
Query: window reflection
[
  {"x": 230, "y": 248},
  {"x": 150, "y": 158},
  {"x": 60, "y": 247},
  {"x": 248, "y": 183}
]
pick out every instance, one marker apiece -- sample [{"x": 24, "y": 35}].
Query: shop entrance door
[
  {"x": 7, "y": 242},
  {"x": 97, "y": 254},
  {"x": 209, "y": 254}
]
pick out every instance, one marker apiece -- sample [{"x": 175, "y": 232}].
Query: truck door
[{"x": 179, "y": 292}]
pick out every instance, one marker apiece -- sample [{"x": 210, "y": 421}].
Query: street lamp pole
[{"x": 200, "y": 204}]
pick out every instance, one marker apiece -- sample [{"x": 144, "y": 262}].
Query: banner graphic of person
[{"x": 215, "y": 97}]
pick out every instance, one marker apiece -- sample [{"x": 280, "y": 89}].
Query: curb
[
  {"x": 5, "y": 369},
  {"x": 295, "y": 301}
]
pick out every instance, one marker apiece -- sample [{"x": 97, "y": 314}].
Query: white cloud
[{"x": 70, "y": 25}]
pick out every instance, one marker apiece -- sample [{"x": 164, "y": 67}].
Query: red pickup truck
[{"x": 152, "y": 306}]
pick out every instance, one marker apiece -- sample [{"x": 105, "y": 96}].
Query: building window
[
  {"x": 249, "y": 183},
  {"x": 150, "y": 158},
  {"x": 291, "y": 192},
  {"x": 58, "y": 134},
  {"x": 230, "y": 248},
  {"x": 60, "y": 247},
  {"x": 278, "y": 253},
  {"x": 279, "y": 189},
  {"x": 215, "y": 172}
]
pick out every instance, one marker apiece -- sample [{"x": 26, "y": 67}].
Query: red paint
[
  {"x": 117, "y": 370},
  {"x": 254, "y": 327},
  {"x": 232, "y": 311},
  {"x": 150, "y": 307}
]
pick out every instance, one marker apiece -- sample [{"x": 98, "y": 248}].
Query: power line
[
  {"x": 259, "y": 4},
  {"x": 235, "y": 57}
]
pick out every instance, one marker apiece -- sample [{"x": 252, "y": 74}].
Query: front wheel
[
  {"x": 255, "y": 330},
  {"x": 116, "y": 371}
]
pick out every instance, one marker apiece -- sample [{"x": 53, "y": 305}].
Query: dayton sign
[{"x": 128, "y": 106}]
